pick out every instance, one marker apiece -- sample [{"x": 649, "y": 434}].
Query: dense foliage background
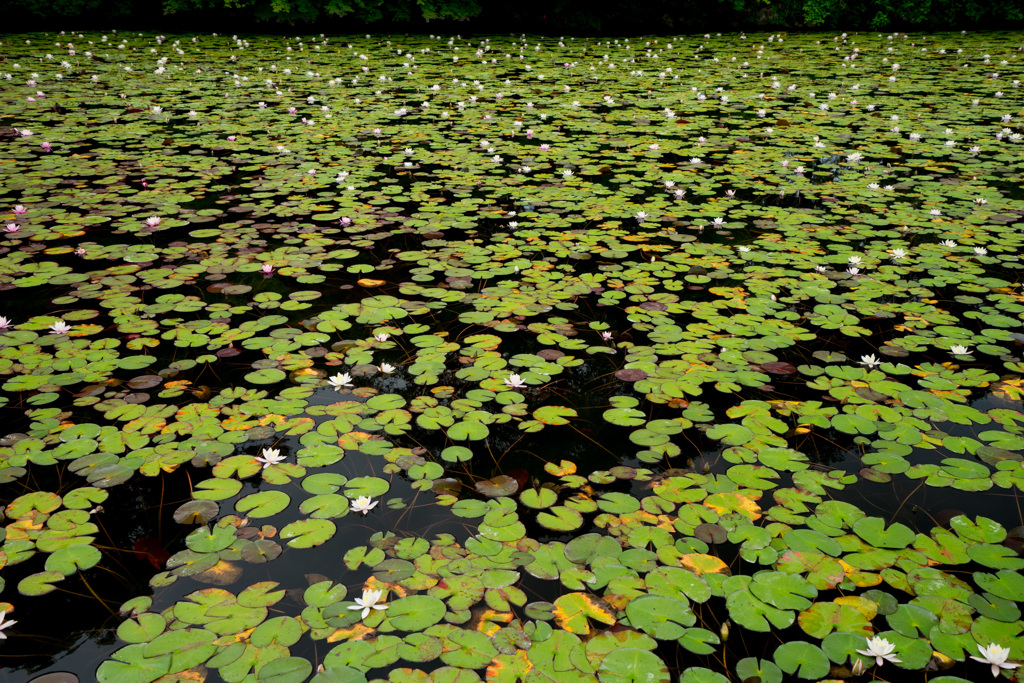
[{"x": 667, "y": 16}]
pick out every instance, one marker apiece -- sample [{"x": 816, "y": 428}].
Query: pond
[{"x": 408, "y": 358}]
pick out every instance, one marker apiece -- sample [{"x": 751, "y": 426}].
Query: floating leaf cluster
[{"x": 689, "y": 358}]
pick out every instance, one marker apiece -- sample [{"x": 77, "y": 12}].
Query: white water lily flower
[
  {"x": 880, "y": 649},
  {"x": 695, "y": 160},
  {"x": 363, "y": 504},
  {"x": 271, "y": 456},
  {"x": 153, "y": 221},
  {"x": 854, "y": 260},
  {"x": 342, "y": 379},
  {"x": 641, "y": 216},
  {"x": 567, "y": 173},
  {"x": 5, "y": 623},
  {"x": 514, "y": 381},
  {"x": 60, "y": 327},
  {"x": 382, "y": 337},
  {"x": 993, "y": 654},
  {"x": 980, "y": 251},
  {"x": 855, "y": 157},
  {"x": 368, "y": 602},
  {"x": 870, "y": 360},
  {"x": 898, "y": 254},
  {"x": 959, "y": 350},
  {"x": 387, "y": 368},
  {"x": 948, "y": 243},
  {"x": 853, "y": 270}
]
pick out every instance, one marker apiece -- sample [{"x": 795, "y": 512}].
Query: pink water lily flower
[
  {"x": 12, "y": 227},
  {"x": 267, "y": 269},
  {"x": 363, "y": 504},
  {"x": 153, "y": 221},
  {"x": 4, "y": 323},
  {"x": 60, "y": 327},
  {"x": 19, "y": 209}
]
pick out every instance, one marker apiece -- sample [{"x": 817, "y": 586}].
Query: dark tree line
[{"x": 535, "y": 16}]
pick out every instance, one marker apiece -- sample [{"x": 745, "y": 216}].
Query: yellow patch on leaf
[
  {"x": 724, "y": 503},
  {"x": 221, "y": 574},
  {"x": 196, "y": 674},
  {"x": 237, "y": 423},
  {"x": 352, "y": 440},
  {"x": 561, "y": 469},
  {"x": 869, "y": 608},
  {"x": 1012, "y": 389},
  {"x": 369, "y": 282},
  {"x": 514, "y": 667},
  {"x": 573, "y": 610},
  {"x": 489, "y": 621},
  {"x": 860, "y": 578},
  {"x": 357, "y": 632},
  {"x": 704, "y": 564}
]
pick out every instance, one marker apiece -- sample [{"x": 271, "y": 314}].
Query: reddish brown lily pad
[
  {"x": 779, "y": 368},
  {"x": 145, "y": 381},
  {"x": 630, "y": 374},
  {"x": 501, "y": 485}
]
